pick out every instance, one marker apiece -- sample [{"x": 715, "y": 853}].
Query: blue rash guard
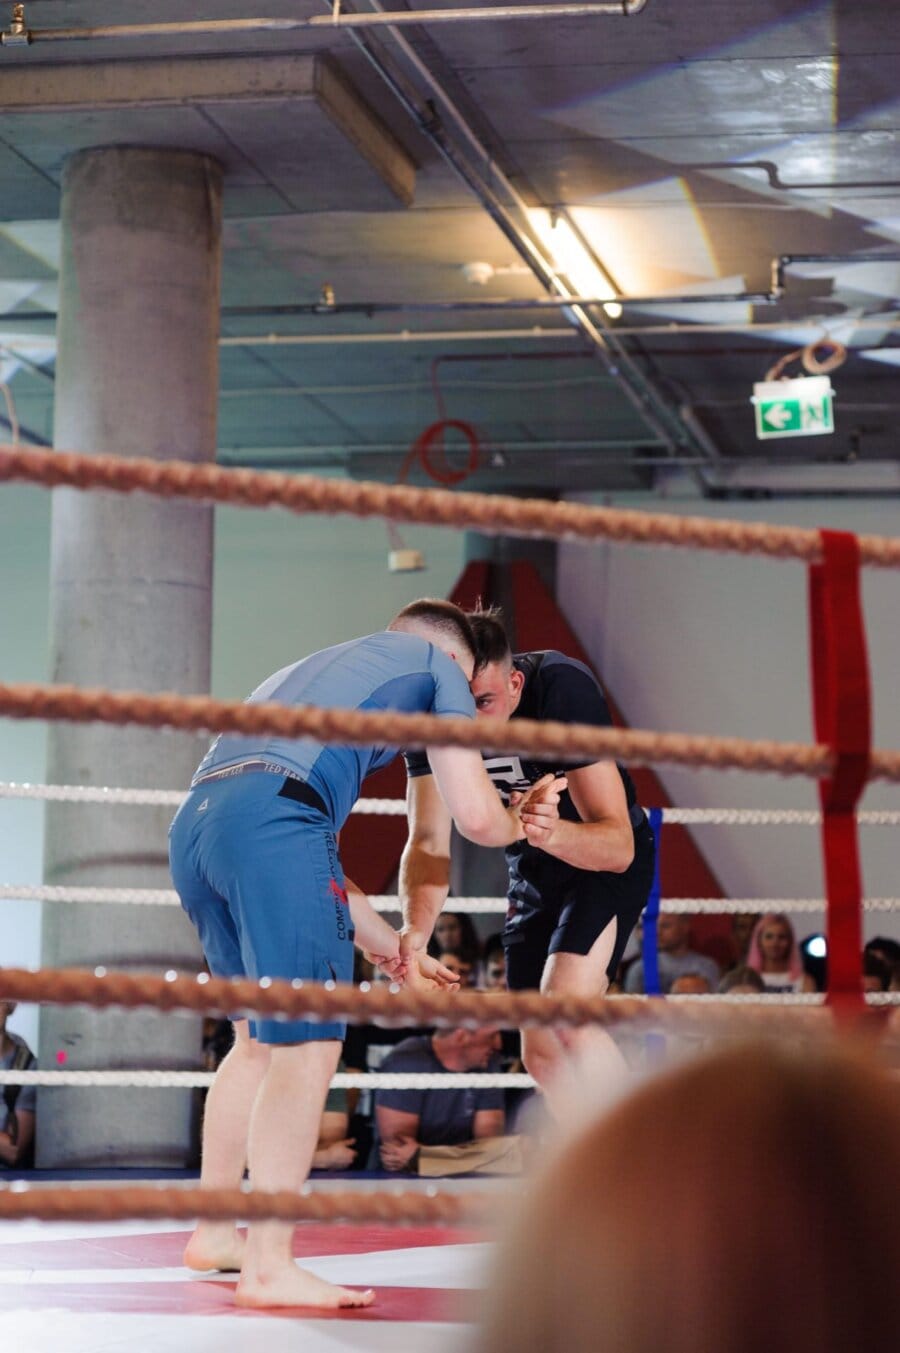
[
  {"x": 253, "y": 848},
  {"x": 389, "y": 671}
]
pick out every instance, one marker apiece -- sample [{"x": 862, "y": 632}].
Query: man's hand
[
  {"x": 538, "y": 809},
  {"x": 336, "y": 1155},
  {"x": 395, "y": 968},
  {"x": 423, "y": 972},
  {"x": 540, "y": 819},
  {"x": 397, "y": 1154}
]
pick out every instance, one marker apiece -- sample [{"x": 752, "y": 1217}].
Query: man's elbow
[
  {"x": 479, "y": 825},
  {"x": 624, "y": 855}
]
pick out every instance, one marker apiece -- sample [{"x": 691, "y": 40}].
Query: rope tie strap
[
  {"x": 841, "y": 705},
  {"x": 152, "y": 1203},
  {"x": 362, "y": 728},
  {"x": 499, "y": 514}
]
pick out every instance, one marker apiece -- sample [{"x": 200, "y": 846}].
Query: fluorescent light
[{"x": 572, "y": 259}]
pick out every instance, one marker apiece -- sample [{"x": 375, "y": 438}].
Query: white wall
[
  {"x": 695, "y": 642},
  {"x": 284, "y": 586}
]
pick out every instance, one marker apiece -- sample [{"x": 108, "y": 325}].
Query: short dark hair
[
  {"x": 889, "y": 949},
  {"x": 873, "y": 966},
  {"x": 443, "y": 616},
  {"x": 741, "y": 976},
  {"x": 491, "y": 639}
]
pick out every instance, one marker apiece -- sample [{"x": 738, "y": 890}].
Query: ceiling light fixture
[{"x": 572, "y": 259}]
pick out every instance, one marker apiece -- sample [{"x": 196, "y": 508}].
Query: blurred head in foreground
[{"x": 736, "y": 1204}]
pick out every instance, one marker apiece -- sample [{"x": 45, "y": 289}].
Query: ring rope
[
  {"x": 476, "y": 906},
  {"x": 729, "y": 817},
  {"x": 500, "y": 514},
  {"x": 342, "y": 1080},
  {"x": 48, "y": 1202},
  {"x": 363, "y": 728},
  {"x": 388, "y": 1006}
]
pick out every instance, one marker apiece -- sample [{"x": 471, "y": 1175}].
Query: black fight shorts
[{"x": 576, "y": 915}]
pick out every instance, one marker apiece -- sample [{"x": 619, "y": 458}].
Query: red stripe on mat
[{"x": 207, "y": 1298}]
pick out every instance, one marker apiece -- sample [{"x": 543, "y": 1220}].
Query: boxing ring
[{"x": 73, "y": 1256}]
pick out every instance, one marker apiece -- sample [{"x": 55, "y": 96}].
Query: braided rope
[
  {"x": 385, "y": 728},
  {"x": 473, "y": 906},
  {"x": 388, "y": 1006},
  {"x": 498, "y": 514},
  {"x": 48, "y": 1202},
  {"x": 720, "y": 817}
]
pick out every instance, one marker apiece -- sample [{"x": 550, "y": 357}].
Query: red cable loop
[{"x": 433, "y": 438}]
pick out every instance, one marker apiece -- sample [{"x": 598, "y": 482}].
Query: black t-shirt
[{"x": 556, "y": 688}]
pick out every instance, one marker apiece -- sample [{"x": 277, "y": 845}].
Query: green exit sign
[{"x": 798, "y": 408}]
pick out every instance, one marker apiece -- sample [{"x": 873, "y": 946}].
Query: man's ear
[{"x": 516, "y": 681}]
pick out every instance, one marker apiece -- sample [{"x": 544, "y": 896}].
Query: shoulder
[
  {"x": 412, "y": 1054},
  {"x": 560, "y": 687}
]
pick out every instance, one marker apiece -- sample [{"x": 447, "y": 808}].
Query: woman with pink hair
[{"x": 775, "y": 955}]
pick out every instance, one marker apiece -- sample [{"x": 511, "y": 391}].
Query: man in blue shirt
[
  {"x": 579, "y": 879},
  {"x": 253, "y": 853}
]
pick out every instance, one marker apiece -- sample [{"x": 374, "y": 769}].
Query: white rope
[
  {"x": 774, "y": 817},
  {"x": 166, "y": 897},
  {"x": 688, "y": 817},
  {"x": 171, "y": 798},
  {"x": 387, "y": 1080},
  {"x": 343, "y": 1080}
]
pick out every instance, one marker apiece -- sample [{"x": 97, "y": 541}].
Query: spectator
[
  {"x": 466, "y": 972},
  {"x": 17, "y": 1136},
  {"x": 454, "y": 933},
  {"x": 775, "y": 955},
  {"x": 886, "y": 949},
  {"x": 690, "y": 984},
  {"x": 335, "y": 1149},
  {"x": 676, "y": 957},
  {"x": 452, "y": 1131},
  {"x": 738, "y": 1203},
  {"x": 493, "y": 964},
  {"x": 742, "y": 981},
  {"x": 876, "y": 975},
  {"x": 742, "y": 927}
]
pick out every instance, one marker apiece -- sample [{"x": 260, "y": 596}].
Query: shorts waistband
[
  {"x": 292, "y": 787},
  {"x": 240, "y": 767}
]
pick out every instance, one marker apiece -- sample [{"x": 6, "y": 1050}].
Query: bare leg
[
  {"x": 563, "y": 1061},
  {"x": 226, "y": 1121},
  {"x": 284, "y": 1130}
]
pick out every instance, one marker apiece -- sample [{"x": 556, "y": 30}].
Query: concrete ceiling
[{"x": 690, "y": 144}]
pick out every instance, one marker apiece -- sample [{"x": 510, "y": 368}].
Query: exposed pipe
[
  {"x": 770, "y": 169},
  {"x": 20, "y": 35},
  {"x": 785, "y": 261},
  {"x": 674, "y": 329},
  {"x": 657, "y": 412}
]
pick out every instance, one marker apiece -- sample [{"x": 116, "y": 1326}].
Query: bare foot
[
  {"x": 295, "y": 1286},
  {"x": 215, "y": 1246}
]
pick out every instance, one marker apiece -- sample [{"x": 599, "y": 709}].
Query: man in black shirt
[{"x": 578, "y": 883}]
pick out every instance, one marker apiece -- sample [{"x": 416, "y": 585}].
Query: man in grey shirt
[{"x": 676, "y": 957}]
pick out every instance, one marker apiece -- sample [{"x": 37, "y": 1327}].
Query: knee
[{"x": 541, "y": 1057}]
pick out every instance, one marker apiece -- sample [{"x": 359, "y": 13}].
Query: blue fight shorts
[{"x": 259, "y": 876}]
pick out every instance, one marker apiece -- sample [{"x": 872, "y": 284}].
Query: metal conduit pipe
[
  {"x": 20, "y": 35},
  {"x": 673, "y": 330},
  {"x": 656, "y": 411},
  {"x": 781, "y": 264}
]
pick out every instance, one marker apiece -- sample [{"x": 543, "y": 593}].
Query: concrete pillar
[{"x": 131, "y": 591}]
